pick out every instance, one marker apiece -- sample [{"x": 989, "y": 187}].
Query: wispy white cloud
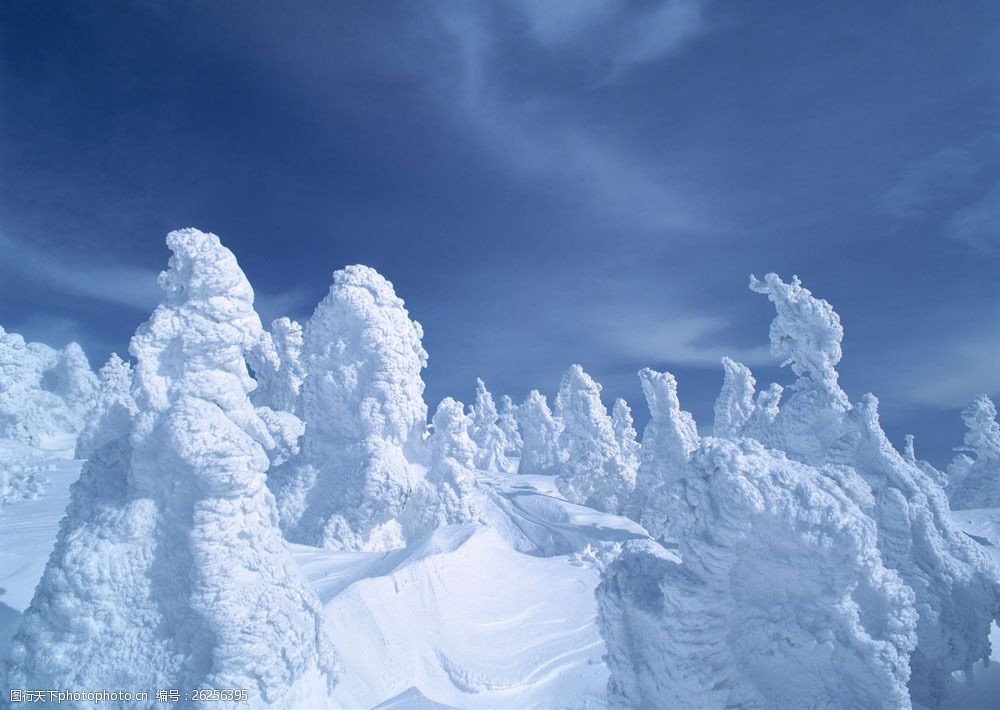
[
  {"x": 94, "y": 276},
  {"x": 956, "y": 188},
  {"x": 537, "y": 134},
  {"x": 978, "y": 224},
  {"x": 678, "y": 339},
  {"x": 946, "y": 371},
  {"x": 922, "y": 183},
  {"x": 620, "y": 33}
]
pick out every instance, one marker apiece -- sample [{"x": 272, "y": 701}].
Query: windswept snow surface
[{"x": 459, "y": 618}]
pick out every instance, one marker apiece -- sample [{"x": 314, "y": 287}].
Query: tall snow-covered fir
[
  {"x": 169, "y": 570},
  {"x": 363, "y": 405}
]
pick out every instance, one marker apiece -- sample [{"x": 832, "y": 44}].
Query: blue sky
[{"x": 544, "y": 182}]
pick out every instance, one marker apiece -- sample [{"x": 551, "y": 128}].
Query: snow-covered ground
[{"x": 468, "y": 616}]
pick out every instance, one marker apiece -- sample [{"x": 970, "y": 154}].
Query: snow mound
[
  {"x": 22, "y": 472},
  {"x": 532, "y": 516},
  {"x": 475, "y": 624},
  {"x": 781, "y": 601}
]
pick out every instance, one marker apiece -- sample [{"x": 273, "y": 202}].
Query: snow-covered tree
[
  {"x": 447, "y": 495},
  {"x": 540, "y": 435},
  {"x": 594, "y": 472},
  {"x": 114, "y": 399},
  {"x": 508, "y": 425},
  {"x": 734, "y": 405},
  {"x": 781, "y": 600},
  {"x": 169, "y": 570},
  {"x": 278, "y": 369},
  {"x": 484, "y": 428},
  {"x": 625, "y": 434},
  {"x": 668, "y": 441},
  {"x": 953, "y": 579},
  {"x": 362, "y": 401},
  {"x": 43, "y": 392},
  {"x": 974, "y": 475}
]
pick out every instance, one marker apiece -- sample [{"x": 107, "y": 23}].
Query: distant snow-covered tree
[
  {"x": 594, "y": 472},
  {"x": 278, "y": 369},
  {"x": 508, "y": 425},
  {"x": 738, "y": 412},
  {"x": 974, "y": 475},
  {"x": 668, "y": 441},
  {"x": 781, "y": 600},
  {"x": 43, "y": 392},
  {"x": 114, "y": 399},
  {"x": 447, "y": 494},
  {"x": 362, "y": 402},
  {"x": 625, "y": 434},
  {"x": 540, "y": 435},
  {"x": 955, "y": 582},
  {"x": 484, "y": 428},
  {"x": 169, "y": 570}
]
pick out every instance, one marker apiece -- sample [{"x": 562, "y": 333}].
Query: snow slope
[
  {"x": 461, "y": 617},
  {"x": 28, "y": 531}
]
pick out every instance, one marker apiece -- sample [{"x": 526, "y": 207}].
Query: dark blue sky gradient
[{"x": 544, "y": 183}]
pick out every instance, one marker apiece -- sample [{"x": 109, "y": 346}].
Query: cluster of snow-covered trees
[
  {"x": 816, "y": 566},
  {"x": 807, "y": 562}
]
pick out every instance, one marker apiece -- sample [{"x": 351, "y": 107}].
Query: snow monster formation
[
  {"x": 169, "y": 570},
  {"x": 43, "y": 392},
  {"x": 484, "y": 428},
  {"x": 507, "y": 421},
  {"x": 668, "y": 441},
  {"x": 781, "y": 600},
  {"x": 812, "y": 486},
  {"x": 447, "y": 494},
  {"x": 626, "y": 435},
  {"x": 953, "y": 579},
  {"x": 362, "y": 401},
  {"x": 539, "y": 435},
  {"x": 974, "y": 481},
  {"x": 594, "y": 473}
]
